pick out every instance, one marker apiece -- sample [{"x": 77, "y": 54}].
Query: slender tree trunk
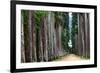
[
  {"x": 83, "y": 34},
  {"x": 22, "y": 40},
  {"x": 30, "y": 35},
  {"x": 37, "y": 45},
  {"x": 57, "y": 42},
  {"x": 80, "y": 45},
  {"x": 34, "y": 56},
  {"x": 55, "y": 45},
  {"x": 28, "y": 40},
  {"x": 49, "y": 35},
  {"x": 41, "y": 46},
  {"x": 50, "y": 26},
  {"x": 46, "y": 48},
  {"x": 87, "y": 35},
  {"x": 44, "y": 39},
  {"x": 53, "y": 36},
  {"x": 60, "y": 50},
  {"x": 52, "y": 33}
]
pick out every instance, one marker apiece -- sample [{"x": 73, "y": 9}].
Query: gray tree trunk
[
  {"x": 83, "y": 35},
  {"x": 34, "y": 56},
  {"x": 22, "y": 40},
  {"x": 30, "y": 35},
  {"x": 44, "y": 38},
  {"x": 87, "y": 36}
]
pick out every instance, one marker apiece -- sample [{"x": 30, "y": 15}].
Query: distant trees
[
  {"x": 45, "y": 35},
  {"x": 74, "y": 32},
  {"x": 65, "y": 32}
]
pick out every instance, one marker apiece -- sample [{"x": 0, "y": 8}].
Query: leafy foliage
[
  {"x": 65, "y": 32},
  {"x": 38, "y": 17},
  {"x": 74, "y": 28}
]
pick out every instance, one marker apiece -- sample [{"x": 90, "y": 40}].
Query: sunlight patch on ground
[{"x": 69, "y": 57}]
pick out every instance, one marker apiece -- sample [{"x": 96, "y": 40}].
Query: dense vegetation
[{"x": 45, "y": 35}]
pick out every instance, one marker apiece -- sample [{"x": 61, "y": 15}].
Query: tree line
[{"x": 45, "y": 35}]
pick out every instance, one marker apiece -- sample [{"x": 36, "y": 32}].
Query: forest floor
[{"x": 69, "y": 57}]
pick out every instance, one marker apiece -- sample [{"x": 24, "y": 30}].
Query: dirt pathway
[{"x": 70, "y": 57}]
